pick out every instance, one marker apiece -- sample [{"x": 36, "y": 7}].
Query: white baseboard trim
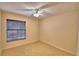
[{"x": 58, "y": 47}]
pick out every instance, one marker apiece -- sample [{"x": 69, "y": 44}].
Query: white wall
[
  {"x": 60, "y": 30},
  {"x": 31, "y": 27}
]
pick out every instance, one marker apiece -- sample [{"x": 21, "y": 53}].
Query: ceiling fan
[{"x": 36, "y": 12}]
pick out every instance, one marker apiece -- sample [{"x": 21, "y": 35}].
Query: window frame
[{"x": 16, "y": 30}]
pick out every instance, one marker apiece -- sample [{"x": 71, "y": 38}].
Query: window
[{"x": 16, "y": 30}]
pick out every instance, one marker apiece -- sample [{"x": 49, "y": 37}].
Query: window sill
[{"x": 16, "y": 40}]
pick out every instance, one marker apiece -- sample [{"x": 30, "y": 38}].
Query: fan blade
[
  {"x": 50, "y": 4},
  {"x": 25, "y": 9}
]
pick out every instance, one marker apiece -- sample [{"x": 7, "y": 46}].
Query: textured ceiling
[{"x": 47, "y": 7}]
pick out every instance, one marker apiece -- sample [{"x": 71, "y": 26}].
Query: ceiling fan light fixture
[{"x": 36, "y": 15}]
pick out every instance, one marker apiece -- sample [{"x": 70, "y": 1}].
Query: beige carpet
[{"x": 35, "y": 49}]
